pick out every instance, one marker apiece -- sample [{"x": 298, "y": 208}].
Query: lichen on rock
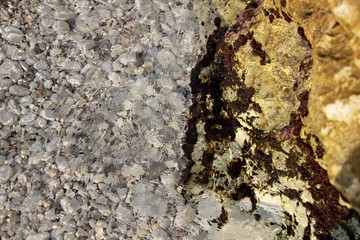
[{"x": 251, "y": 136}]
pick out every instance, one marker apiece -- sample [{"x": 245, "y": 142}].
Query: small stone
[
  {"x": 6, "y": 173},
  {"x": 150, "y": 204},
  {"x": 159, "y": 234},
  {"x": 61, "y": 27},
  {"x": 86, "y": 45},
  {"x": 167, "y": 83},
  {"x": 19, "y": 91},
  {"x": 185, "y": 216},
  {"x": 165, "y": 58},
  {"x": 41, "y": 65},
  {"x": 6, "y": 117},
  {"x": 245, "y": 205},
  {"x": 81, "y": 233},
  {"x": 64, "y": 14},
  {"x": 5, "y": 83},
  {"x": 134, "y": 170},
  {"x": 28, "y": 118},
  {"x": 2, "y": 94},
  {"x": 9, "y": 69},
  {"x": 104, "y": 210},
  {"x": 123, "y": 214},
  {"x": 165, "y": 223},
  {"x": 70, "y": 205},
  {"x": 26, "y": 101},
  {"x": 39, "y": 236},
  {"x": 48, "y": 114},
  {"x": 210, "y": 208},
  {"x": 13, "y": 34}
]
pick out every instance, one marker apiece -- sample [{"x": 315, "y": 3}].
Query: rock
[
  {"x": 134, "y": 170},
  {"x": 185, "y": 216},
  {"x": 165, "y": 58},
  {"x": 334, "y": 97},
  {"x": 6, "y": 173},
  {"x": 48, "y": 114},
  {"x": 70, "y": 205},
  {"x": 160, "y": 234},
  {"x": 64, "y": 14},
  {"x": 86, "y": 45},
  {"x": 209, "y": 208},
  {"x": 5, "y": 83},
  {"x": 61, "y": 27},
  {"x": 6, "y": 117},
  {"x": 123, "y": 214},
  {"x": 9, "y": 69},
  {"x": 2, "y": 94},
  {"x": 336, "y": 111},
  {"x": 19, "y": 91},
  {"x": 149, "y": 204},
  {"x": 39, "y": 236},
  {"x": 13, "y": 34},
  {"x": 252, "y": 88}
]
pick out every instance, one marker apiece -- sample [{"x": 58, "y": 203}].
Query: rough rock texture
[
  {"x": 334, "y": 102},
  {"x": 333, "y": 28},
  {"x": 263, "y": 111}
]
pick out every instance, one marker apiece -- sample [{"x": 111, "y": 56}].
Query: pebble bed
[{"x": 94, "y": 99}]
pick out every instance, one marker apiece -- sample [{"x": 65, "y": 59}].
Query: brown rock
[{"x": 334, "y": 102}]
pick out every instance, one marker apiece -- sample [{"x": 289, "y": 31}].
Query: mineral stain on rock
[{"x": 246, "y": 136}]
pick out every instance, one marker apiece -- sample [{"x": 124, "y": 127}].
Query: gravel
[{"x": 93, "y": 112}]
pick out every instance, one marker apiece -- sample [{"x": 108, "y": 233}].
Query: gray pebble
[
  {"x": 165, "y": 57},
  {"x": 39, "y": 236},
  {"x": 13, "y": 34},
  {"x": 2, "y": 94},
  {"x": 5, "y": 173},
  {"x": 70, "y": 205},
  {"x": 48, "y": 114},
  {"x": 159, "y": 234},
  {"x": 19, "y": 91},
  {"x": 64, "y": 14},
  {"x": 61, "y": 27},
  {"x": 6, "y": 117},
  {"x": 10, "y": 69},
  {"x": 5, "y": 83}
]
